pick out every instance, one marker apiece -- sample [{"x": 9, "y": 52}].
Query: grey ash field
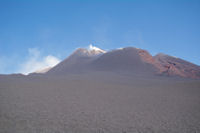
[{"x": 102, "y": 101}]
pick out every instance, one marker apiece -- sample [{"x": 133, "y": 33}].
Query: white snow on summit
[
  {"x": 93, "y": 48},
  {"x": 89, "y": 51}
]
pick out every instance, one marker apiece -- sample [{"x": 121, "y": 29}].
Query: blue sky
[{"x": 35, "y": 30}]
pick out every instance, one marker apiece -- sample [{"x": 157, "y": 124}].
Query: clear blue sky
[{"x": 58, "y": 27}]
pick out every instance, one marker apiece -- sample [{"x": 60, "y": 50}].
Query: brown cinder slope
[{"x": 177, "y": 67}]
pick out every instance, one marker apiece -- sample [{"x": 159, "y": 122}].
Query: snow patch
[{"x": 93, "y": 48}]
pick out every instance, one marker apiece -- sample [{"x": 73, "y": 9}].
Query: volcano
[
  {"x": 130, "y": 60},
  {"x": 124, "y": 90}
]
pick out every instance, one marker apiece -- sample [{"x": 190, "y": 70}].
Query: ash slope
[
  {"x": 129, "y": 60},
  {"x": 99, "y": 102}
]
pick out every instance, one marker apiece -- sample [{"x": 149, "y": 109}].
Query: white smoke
[{"x": 37, "y": 62}]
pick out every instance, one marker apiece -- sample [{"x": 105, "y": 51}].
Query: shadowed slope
[
  {"x": 126, "y": 59},
  {"x": 75, "y": 63}
]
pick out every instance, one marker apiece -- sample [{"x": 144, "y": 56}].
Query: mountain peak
[
  {"x": 90, "y": 51},
  {"x": 93, "y": 48}
]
